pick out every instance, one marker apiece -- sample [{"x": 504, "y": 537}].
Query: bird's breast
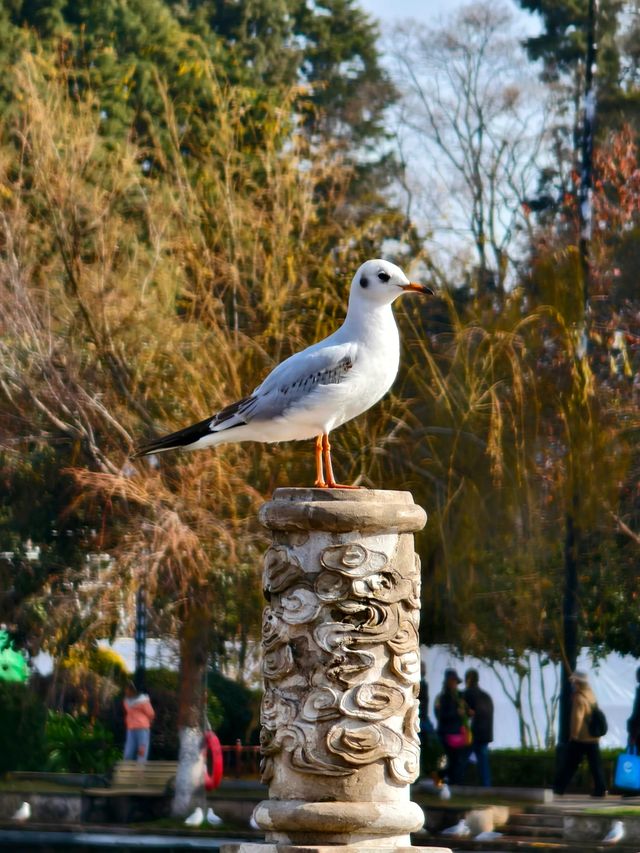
[
  {"x": 378, "y": 368},
  {"x": 372, "y": 375}
]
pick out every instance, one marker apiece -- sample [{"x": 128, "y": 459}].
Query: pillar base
[{"x": 316, "y": 824}]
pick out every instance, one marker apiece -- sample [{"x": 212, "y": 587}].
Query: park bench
[{"x": 138, "y": 789}]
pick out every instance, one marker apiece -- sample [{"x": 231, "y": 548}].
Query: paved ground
[
  {"x": 580, "y": 802},
  {"x": 539, "y": 826},
  {"x": 532, "y": 826}
]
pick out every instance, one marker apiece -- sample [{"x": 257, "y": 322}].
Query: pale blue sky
[
  {"x": 422, "y": 9},
  {"x": 435, "y": 204},
  {"x": 431, "y": 11}
]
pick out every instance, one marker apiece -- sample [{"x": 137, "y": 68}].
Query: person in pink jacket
[{"x": 138, "y": 716}]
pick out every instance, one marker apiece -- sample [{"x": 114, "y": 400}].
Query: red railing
[{"x": 240, "y": 760}]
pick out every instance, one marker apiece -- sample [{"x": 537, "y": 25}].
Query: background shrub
[
  {"x": 527, "y": 768},
  {"x": 75, "y": 689},
  {"x": 84, "y": 731},
  {"x": 22, "y": 728},
  {"x": 79, "y": 745},
  {"x": 240, "y": 709},
  {"x": 109, "y": 664}
]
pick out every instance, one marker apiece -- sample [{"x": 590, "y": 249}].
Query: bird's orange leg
[
  {"x": 331, "y": 480},
  {"x": 320, "y": 481}
]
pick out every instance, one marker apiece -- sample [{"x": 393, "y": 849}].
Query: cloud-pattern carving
[{"x": 340, "y": 660}]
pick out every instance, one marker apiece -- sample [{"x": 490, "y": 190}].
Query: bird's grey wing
[
  {"x": 296, "y": 377},
  {"x": 286, "y": 385},
  {"x": 235, "y": 414}
]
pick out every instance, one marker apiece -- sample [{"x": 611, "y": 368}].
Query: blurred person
[
  {"x": 427, "y": 731},
  {"x": 633, "y": 723},
  {"x": 452, "y": 715},
  {"x": 480, "y": 706},
  {"x": 426, "y": 726},
  {"x": 138, "y": 716},
  {"x": 581, "y": 743}
]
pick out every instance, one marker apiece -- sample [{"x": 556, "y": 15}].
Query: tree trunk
[
  {"x": 189, "y": 791},
  {"x": 569, "y": 616}
]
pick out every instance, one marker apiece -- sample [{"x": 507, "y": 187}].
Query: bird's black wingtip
[
  {"x": 148, "y": 447},
  {"x": 175, "y": 440},
  {"x": 156, "y": 446}
]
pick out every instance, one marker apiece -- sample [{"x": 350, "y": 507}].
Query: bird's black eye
[
  {"x": 364, "y": 281},
  {"x": 384, "y": 276}
]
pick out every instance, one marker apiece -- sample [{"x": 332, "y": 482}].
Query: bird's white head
[{"x": 381, "y": 282}]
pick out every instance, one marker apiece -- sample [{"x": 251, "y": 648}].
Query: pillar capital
[{"x": 342, "y": 510}]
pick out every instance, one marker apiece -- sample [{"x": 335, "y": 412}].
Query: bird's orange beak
[{"x": 418, "y": 288}]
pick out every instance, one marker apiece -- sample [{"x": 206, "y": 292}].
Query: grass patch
[{"x": 616, "y": 811}]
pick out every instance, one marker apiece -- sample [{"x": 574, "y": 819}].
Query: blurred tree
[
  {"x": 326, "y": 49},
  {"x": 120, "y": 289},
  {"x": 562, "y": 44},
  {"x": 508, "y": 420},
  {"x": 476, "y": 125},
  {"x": 43, "y": 536},
  {"x": 595, "y": 439},
  {"x": 561, "y": 48}
]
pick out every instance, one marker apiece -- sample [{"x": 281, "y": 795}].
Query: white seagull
[
  {"x": 324, "y": 386},
  {"x": 196, "y": 818},
  {"x": 22, "y": 813},
  {"x": 445, "y": 792},
  {"x": 458, "y": 830},
  {"x": 615, "y": 834},
  {"x": 212, "y": 818}
]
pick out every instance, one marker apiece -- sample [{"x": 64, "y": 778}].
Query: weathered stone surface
[
  {"x": 339, "y": 817},
  {"x": 340, "y": 510},
  {"x": 341, "y": 667},
  {"x": 250, "y": 847}
]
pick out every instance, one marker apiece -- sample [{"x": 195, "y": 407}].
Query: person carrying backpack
[{"x": 587, "y": 727}]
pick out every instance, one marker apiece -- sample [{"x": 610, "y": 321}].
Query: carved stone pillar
[{"x": 341, "y": 667}]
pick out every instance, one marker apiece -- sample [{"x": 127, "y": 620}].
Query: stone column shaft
[{"x": 341, "y": 667}]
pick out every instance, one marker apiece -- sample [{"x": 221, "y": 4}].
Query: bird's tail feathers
[{"x": 181, "y": 438}]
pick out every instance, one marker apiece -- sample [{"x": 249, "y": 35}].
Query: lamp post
[
  {"x": 572, "y": 545},
  {"x": 141, "y": 637}
]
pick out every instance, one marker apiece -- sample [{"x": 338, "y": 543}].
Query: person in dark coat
[
  {"x": 427, "y": 731},
  {"x": 452, "y": 713},
  {"x": 480, "y": 707},
  {"x": 633, "y": 723},
  {"x": 426, "y": 726}
]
